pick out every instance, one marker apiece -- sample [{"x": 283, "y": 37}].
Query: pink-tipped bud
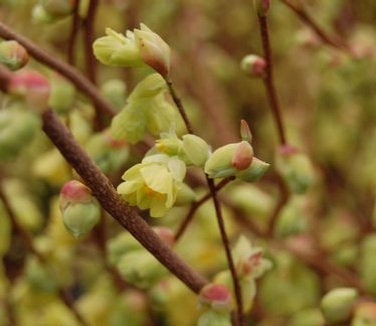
[
  {"x": 245, "y": 131},
  {"x": 34, "y": 87},
  {"x": 262, "y": 6},
  {"x": 254, "y": 66},
  {"x": 243, "y": 156},
  {"x": 80, "y": 210},
  {"x": 13, "y": 55},
  {"x": 74, "y": 192},
  {"x": 216, "y": 296}
]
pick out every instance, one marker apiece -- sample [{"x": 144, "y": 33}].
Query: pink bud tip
[{"x": 74, "y": 191}]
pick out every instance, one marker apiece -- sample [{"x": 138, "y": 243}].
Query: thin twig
[
  {"x": 71, "y": 73},
  {"x": 76, "y": 21},
  {"x": 183, "y": 226},
  {"x": 89, "y": 21},
  {"x": 226, "y": 245},
  {"x": 269, "y": 79},
  {"x": 309, "y": 21}
]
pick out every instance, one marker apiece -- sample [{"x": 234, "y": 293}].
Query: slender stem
[
  {"x": 76, "y": 20},
  {"x": 309, "y": 21},
  {"x": 226, "y": 245},
  {"x": 109, "y": 199},
  {"x": 196, "y": 206},
  {"x": 180, "y": 106},
  {"x": 89, "y": 21},
  {"x": 269, "y": 79},
  {"x": 71, "y": 73}
]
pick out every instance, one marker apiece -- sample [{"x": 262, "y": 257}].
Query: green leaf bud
[
  {"x": 337, "y": 305},
  {"x": 13, "y": 55}
]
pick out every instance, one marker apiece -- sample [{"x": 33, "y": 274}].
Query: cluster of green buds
[
  {"x": 48, "y": 11},
  {"x": 142, "y": 47},
  {"x": 80, "y": 210},
  {"x": 13, "y": 55}
]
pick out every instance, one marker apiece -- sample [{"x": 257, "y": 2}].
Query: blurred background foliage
[{"x": 328, "y": 98}]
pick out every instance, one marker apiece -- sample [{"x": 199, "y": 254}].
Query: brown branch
[
  {"x": 107, "y": 196},
  {"x": 269, "y": 79},
  {"x": 76, "y": 21},
  {"x": 71, "y": 73}
]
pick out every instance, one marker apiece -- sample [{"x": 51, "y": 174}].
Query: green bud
[
  {"x": 13, "y": 55},
  {"x": 261, "y": 6},
  {"x": 141, "y": 269},
  {"x": 254, "y": 66},
  {"x": 58, "y": 8},
  {"x": 196, "y": 149},
  {"x": 255, "y": 172},
  {"x": 337, "y": 305},
  {"x": 79, "y": 209},
  {"x": 213, "y": 318},
  {"x": 62, "y": 94},
  {"x": 115, "y": 90},
  {"x": 296, "y": 169},
  {"x": 40, "y": 15},
  {"x": 17, "y": 129}
]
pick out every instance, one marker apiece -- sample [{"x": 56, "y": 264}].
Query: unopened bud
[
  {"x": 154, "y": 51},
  {"x": 196, "y": 149},
  {"x": 79, "y": 209},
  {"x": 13, "y": 55},
  {"x": 216, "y": 296},
  {"x": 243, "y": 156},
  {"x": 262, "y": 6},
  {"x": 254, "y": 66},
  {"x": 34, "y": 87},
  {"x": 337, "y": 305},
  {"x": 245, "y": 131}
]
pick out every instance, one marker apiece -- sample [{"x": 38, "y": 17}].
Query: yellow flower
[{"x": 153, "y": 184}]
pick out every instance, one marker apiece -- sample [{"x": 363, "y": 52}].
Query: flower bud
[
  {"x": 254, "y": 66},
  {"x": 216, "y": 296},
  {"x": 255, "y": 172},
  {"x": 40, "y": 15},
  {"x": 79, "y": 209},
  {"x": 58, "y": 8},
  {"x": 196, "y": 149},
  {"x": 213, "y": 318},
  {"x": 242, "y": 156},
  {"x": 115, "y": 90},
  {"x": 245, "y": 131},
  {"x": 34, "y": 87},
  {"x": 338, "y": 304},
  {"x": 13, "y": 55},
  {"x": 296, "y": 169},
  {"x": 154, "y": 51},
  {"x": 62, "y": 94},
  {"x": 18, "y": 128},
  {"x": 261, "y": 6}
]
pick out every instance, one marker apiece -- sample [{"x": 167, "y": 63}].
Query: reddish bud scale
[
  {"x": 218, "y": 296},
  {"x": 75, "y": 192},
  {"x": 243, "y": 156}
]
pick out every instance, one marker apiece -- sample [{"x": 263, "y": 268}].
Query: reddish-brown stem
[
  {"x": 180, "y": 106},
  {"x": 76, "y": 21},
  {"x": 71, "y": 73},
  {"x": 89, "y": 21},
  {"x": 309, "y": 21},
  {"x": 226, "y": 245},
  {"x": 194, "y": 208},
  {"x": 107, "y": 196},
  {"x": 269, "y": 79}
]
